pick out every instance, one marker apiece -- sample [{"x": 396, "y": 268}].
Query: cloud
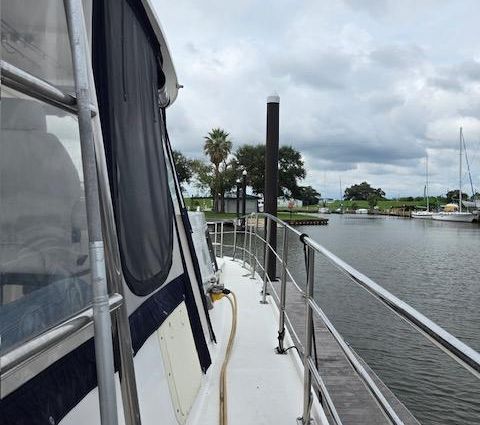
[
  {"x": 398, "y": 57},
  {"x": 367, "y": 88}
]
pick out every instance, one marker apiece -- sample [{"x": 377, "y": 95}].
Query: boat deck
[{"x": 262, "y": 386}]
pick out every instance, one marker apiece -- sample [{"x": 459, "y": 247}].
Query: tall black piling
[{"x": 271, "y": 176}]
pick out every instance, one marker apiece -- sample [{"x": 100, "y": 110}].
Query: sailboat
[
  {"x": 457, "y": 214},
  {"x": 424, "y": 214}
]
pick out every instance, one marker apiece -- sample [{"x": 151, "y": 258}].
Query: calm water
[{"x": 432, "y": 266}]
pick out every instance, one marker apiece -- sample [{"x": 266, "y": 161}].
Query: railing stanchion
[
  {"x": 265, "y": 261},
  {"x": 250, "y": 240},
  {"x": 234, "y": 239},
  {"x": 309, "y": 329},
  {"x": 245, "y": 224},
  {"x": 215, "y": 237},
  {"x": 254, "y": 268},
  {"x": 221, "y": 239},
  {"x": 283, "y": 292}
]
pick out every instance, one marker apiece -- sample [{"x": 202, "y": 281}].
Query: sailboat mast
[
  {"x": 341, "y": 197},
  {"x": 426, "y": 172},
  {"x": 460, "y": 175}
]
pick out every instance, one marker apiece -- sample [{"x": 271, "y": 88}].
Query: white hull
[
  {"x": 422, "y": 214},
  {"x": 461, "y": 217}
]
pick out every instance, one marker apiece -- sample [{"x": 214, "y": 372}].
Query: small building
[
  {"x": 283, "y": 202},
  {"x": 251, "y": 204}
]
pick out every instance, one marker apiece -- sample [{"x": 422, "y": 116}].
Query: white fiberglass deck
[{"x": 262, "y": 386}]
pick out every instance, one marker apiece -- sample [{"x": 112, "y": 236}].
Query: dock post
[{"x": 271, "y": 177}]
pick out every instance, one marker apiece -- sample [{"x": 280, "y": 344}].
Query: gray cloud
[
  {"x": 327, "y": 71},
  {"x": 445, "y": 83},
  {"x": 469, "y": 70},
  {"x": 367, "y": 88},
  {"x": 397, "y": 57}
]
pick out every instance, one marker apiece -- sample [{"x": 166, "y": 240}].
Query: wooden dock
[
  {"x": 353, "y": 401},
  {"x": 308, "y": 222}
]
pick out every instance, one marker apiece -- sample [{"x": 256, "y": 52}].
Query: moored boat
[
  {"x": 457, "y": 216},
  {"x": 422, "y": 214}
]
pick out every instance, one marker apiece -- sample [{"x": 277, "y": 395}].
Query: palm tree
[{"x": 217, "y": 146}]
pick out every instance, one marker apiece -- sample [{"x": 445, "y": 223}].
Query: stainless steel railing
[{"x": 463, "y": 354}]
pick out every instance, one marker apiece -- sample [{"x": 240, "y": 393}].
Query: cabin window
[
  {"x": 37, "y": 41},
  {"x": 128, "y": 75},
  {"x": 44, "y": 265}
]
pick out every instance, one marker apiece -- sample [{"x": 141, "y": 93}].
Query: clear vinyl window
[
  {"x": 44, "y": 265},
  {"x": 37, "y": 41}
]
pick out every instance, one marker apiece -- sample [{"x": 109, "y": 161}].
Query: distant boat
[
  {"x": 324, "y": 210},
  {"x": 424, "y": 214},
  {"x": 361, "y": 211},
  {"x": 458, "y": 216},
  {"x": 453, "y": 212}
]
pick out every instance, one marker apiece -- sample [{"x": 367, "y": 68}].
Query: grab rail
[{"x": 459, "y": 351}]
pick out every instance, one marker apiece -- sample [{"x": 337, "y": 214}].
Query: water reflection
[{"x": 434, "y": 267}]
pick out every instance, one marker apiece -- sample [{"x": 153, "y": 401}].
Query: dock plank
[{"x": 353, "y": 401}]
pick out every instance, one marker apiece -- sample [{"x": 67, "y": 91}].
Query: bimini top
[
  {"x": 450, "y": 208},
  {"x": 171, "y": 84}
]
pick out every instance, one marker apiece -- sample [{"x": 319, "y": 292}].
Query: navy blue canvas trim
[
  {"x": 49, "y": 396},
  {"x": 194, "y": 316},
  {"x": 146, "y": 319}
]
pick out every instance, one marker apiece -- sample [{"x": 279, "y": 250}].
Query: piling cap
[{"x": 274, "y": 98}]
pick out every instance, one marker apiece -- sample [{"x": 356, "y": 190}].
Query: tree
[
  {"x": 453, "y": 196},
  {"x": 217, "y": 147},
  {"x": 308, "y": 195},
  {"x": 372, "y": 200},
  {"x": 184, "y": 168},
  {"x": 291, "y": 168},
  {"x": 252, "y": 159},
  {"x": 216, "y": 183},
  {"x": 361, "y": 192}
]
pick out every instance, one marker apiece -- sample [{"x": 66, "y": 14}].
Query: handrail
[
  {"x": 27, "y": 83},
  {"x": 462, "y": 353},
  {"x": 459, "y": 351},
  {"x": 51, "y": 337},
  {"x": 25, "y": 361}
]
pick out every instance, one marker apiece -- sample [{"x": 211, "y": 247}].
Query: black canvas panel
[{"x": 128, "y": 75}]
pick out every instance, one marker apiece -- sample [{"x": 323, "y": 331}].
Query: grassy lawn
[
  {"x": 284, "y": 213},
  {"x": 211, "y": 216}
]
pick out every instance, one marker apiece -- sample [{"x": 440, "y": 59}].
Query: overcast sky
[{"x": 367, "y": 87}]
